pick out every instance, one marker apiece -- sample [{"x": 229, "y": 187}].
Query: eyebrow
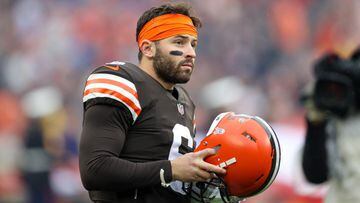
[{"x": 185, "y": 37}]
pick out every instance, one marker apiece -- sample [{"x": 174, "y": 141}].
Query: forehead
[{"x": 183, "y": 36}]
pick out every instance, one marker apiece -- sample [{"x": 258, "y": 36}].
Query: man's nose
[{"x": 190, "y": 52}]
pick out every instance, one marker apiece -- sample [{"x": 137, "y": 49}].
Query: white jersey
[{"x": 344, "y": 161}]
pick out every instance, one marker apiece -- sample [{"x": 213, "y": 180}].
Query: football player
[{"x": 138, "y": 128}]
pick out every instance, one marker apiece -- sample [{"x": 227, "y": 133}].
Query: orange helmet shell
[{"x": 249, "y": 150}]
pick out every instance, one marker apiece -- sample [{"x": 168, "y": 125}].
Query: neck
[{"x": 148, "y": 67}]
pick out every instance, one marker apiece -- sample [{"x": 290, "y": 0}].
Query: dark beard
[{"x": 168, "y": 71}]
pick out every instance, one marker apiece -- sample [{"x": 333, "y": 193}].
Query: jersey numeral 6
[{"x": 183, "y": 142}]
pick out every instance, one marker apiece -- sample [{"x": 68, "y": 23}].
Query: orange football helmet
[{"x": 248, "y": 148}]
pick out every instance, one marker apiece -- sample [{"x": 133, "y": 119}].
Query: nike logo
[{"x": 113, "y": 67}]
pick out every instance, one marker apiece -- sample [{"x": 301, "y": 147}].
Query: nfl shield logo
[{"x": 180, "y": 109}]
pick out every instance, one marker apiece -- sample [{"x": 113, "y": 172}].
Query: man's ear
[{"x": 148, "y": 48}]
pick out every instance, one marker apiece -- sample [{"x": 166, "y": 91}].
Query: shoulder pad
[
  {"x": 109, "y": 84},
  {"x": 115, "y": 67}
]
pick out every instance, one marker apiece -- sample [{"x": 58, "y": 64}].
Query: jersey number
[{"x": 182, "y": 141}]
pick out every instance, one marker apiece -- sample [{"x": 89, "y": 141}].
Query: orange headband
[{"x": 165, "y": 26}]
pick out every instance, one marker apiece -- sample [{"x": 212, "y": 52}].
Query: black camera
[{"x": 337, "y": 85}]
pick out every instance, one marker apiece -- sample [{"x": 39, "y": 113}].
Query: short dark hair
[{"x": 180, "y": 8}]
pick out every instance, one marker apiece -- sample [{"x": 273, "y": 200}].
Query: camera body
[{"x": 337, "y": 85}]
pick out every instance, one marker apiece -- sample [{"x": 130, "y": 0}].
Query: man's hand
[{"x": 191, "y": 167}]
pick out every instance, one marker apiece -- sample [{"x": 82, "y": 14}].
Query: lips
[{"x": 189, "y": 64}]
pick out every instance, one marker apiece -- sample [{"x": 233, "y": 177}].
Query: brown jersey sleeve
[{"x": 102, "y": 139}]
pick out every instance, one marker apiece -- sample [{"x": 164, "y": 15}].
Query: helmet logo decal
[{"x": 218, "y": 131}]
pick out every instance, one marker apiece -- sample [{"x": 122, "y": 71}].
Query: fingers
[
  {"x": 191, "y": 167},
  {"x": 205, "y": 152},
  {"x": 212, "y": 168},
  {"x": 207, "y": 166},
  {"x": 203, "y": 175}
]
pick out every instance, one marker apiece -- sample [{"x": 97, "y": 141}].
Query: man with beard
[{"x": 138, "y": 129}]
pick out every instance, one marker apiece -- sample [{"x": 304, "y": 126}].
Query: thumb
[{"x": 206, "y": 152}]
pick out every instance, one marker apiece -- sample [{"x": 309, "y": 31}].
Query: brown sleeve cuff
[{"x": 168, "y": 171}]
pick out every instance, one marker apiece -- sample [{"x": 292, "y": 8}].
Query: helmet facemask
[{"x": 205, "y": 192}]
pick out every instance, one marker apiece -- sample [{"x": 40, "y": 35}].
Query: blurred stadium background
[{"x": 254, "y": 57}]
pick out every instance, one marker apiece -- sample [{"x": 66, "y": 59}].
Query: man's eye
[{"x": 178, "y": 42}]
